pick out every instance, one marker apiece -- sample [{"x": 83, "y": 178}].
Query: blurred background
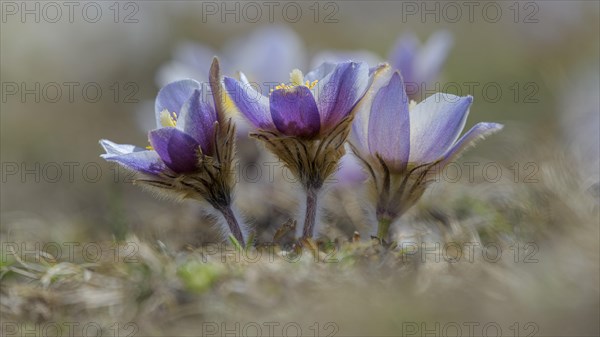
[{"x": 74, "y": 75}]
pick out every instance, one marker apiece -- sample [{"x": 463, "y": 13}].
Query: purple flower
[
  {"x": 185, "y": 131},
  {"x": 401, "y": 142},
  {"x": 305, "y": 123},
  {"x": 309, "y": 106},
  {"x": 191, "y": 152},
  {"x": 405, "y": 133}
]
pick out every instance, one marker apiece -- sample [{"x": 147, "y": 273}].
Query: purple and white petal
[
  {"x": 197, "y": 119},
  {"x": 469, "y": 139},
  {"x": 113, "y": 148},
  {"x": 340, "y": 90},
  {"x": 295, "y": 112},
  {"x": 380, "y": 77},
  {"x": 177, "y": 149},
  {"x": 435, "y": 124},
  {"x": 389, "y": 126},
  {"x": 252, "y": 104},
  {"x": 172, "y": 97},
  {"x": 260, "y": 92},
  {"x": 432, "y": 57},
  {"x": 133, "y": 157},
  {"x": 320, "y": 72},
  {"x": 403, "y": 56}
]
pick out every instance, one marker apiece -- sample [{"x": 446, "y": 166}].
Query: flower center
[
  {"x": 166, "y": 120},
  {"x": 296, "y": 79}
]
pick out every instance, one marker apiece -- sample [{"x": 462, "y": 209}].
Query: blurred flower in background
[
  {"x": 265, "y": 55},
  {"x": 580, "y": 119},
  {"x": 420, "y": 64}
]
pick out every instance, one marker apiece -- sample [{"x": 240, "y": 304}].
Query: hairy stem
[
  {"x": 383, "y": 227},
  {"x": 311, "y": 213},
  {"x": 233, "y": 224}
]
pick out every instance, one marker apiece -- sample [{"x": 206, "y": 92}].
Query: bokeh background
[{"x": 544, "y": 55}]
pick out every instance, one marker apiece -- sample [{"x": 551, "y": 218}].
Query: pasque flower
[
  {"x": 305, "y": 122},
  {"x": 402, "y": 144},
  {"x": 191, "y": 151}
]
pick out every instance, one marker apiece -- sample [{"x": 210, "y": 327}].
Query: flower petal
[
  {"x": 320, "y": 72},
  {"x": 432, "y": 57},
  {"x": 403, "y": 56},
  {"x": 133, "y": 157},
  {"x": 113, "y": 148},
  {"x": 475, "y": 134},
  {"x": 340, "y": 90},
  {"x": 252, "y": 104},
  {"x": 177, "y": 149},
  {"x": 197, "y": 119},
  {"x": 172, "y": 97},
  {"x": 389, "y": 127},
  {"x": 360, "y": 126},
  {"x": 295, "y": 112},
  {"x": 435, "y": 125}
]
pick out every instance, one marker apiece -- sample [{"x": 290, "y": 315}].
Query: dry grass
[{"x": 148, "y": 287}]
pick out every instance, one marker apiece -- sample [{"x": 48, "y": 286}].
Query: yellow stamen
[
  {"x": 168, "y": 119},
  {"x": 296, "y": 79}
]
